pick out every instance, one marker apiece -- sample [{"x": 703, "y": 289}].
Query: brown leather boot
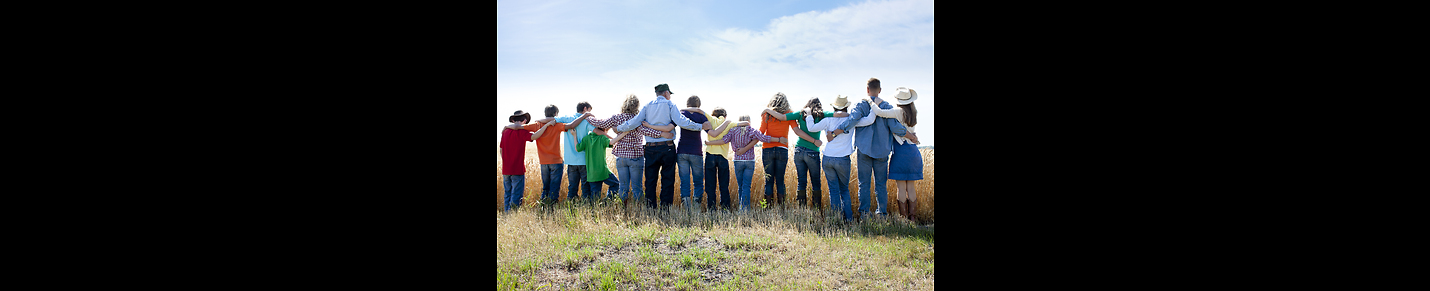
[{"x": 913, "y": 211}]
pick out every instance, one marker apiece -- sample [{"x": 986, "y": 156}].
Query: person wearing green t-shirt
[
  {"x": 806, "y": 155},
  {"x": 594, "y": 147}
]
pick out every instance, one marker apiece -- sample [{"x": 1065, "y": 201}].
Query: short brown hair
[
  {"x": 583, "y": 106},
  {"x": 873, "y": 83},
  {"x": 718, "y": 112},
  {"x": 551, "y": 110},
  {"x": 694, "y": 101}
]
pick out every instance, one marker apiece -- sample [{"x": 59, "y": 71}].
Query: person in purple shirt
[
  {"x": 874, "y": 144},
  {"x": 690, "y": 155},
  {"x": 660, "y": 152}
]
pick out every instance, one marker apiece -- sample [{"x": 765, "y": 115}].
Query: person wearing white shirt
[{"x": 836, "y": 156}]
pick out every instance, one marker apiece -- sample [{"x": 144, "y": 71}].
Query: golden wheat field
[{"x": 924, "y": 189}]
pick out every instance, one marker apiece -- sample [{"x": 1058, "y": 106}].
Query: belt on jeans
[{"x": 660, "y": 143}]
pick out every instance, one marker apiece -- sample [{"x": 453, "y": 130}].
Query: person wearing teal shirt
[{"x": 806, "y": 156}]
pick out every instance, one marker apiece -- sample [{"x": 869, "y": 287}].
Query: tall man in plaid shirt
[{"x": 660, "y": 151}]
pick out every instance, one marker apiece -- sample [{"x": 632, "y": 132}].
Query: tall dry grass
[{"x": 924, "y": 188}]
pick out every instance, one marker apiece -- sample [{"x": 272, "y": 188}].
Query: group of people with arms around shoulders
[{"x": 877, "y": 133}]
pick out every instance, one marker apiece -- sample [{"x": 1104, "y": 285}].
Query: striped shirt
[
  {"x": 630, "y": 146},
  {"x": 738, "y": 137}
]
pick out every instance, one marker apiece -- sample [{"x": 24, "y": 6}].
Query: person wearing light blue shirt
[
  {"x": 576, "y": 128},
  {"x": 660, "y": 152},
  {"x": 875, "y": 144}
]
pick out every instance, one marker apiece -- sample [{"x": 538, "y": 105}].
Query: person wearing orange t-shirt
[
  {"x": 775, "y": 155},
  {"x": 548, "y": 149}
]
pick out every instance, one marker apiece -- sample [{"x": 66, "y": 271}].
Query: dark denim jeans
[
  {"x": 576, "y": 177},
  {"x": 879, "y": 169},
  {"x": 776, "y": 161},
  {"x": 550, "y": 182},
  {"x": 610, "y": 181},
  {"x": 836, "y": 172},
  {"x": 513, "y": 185},
  {"x": 718, "y": 169},
  {"x": 807, "y": 161},
  {"x": 660, "y": 160},
  {"x": 692, "y": 175}
]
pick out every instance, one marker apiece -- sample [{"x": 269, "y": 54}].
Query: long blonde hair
[
  {"x": 779, "y": 103},
  {"x": 631, "y": 105}
]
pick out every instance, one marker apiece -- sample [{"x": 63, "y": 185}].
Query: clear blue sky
[{"x": 734, "y": 54}]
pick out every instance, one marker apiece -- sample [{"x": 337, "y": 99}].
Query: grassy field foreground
[{"x": 610, "y": 247}]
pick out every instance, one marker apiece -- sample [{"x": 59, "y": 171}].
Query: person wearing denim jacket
[{"x": 874, "y": 144}]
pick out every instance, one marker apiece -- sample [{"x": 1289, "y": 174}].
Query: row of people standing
[{"x": 660, "y": 154}]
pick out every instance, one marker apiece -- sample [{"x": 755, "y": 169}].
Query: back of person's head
[
  {"x": 520, "y": 118},
  {"x": 910, "y": 114},
  {"x": 694, "y": 101},
  {"x": 718, "y": 112},
  {"x": 583, "y": 106},
  {"x": 779, "y": 102},
  {"x": 745, "y": 117},
  {"x": 631, "y": 105},
  {"x": 873, "y": 84},
  {"x": 551, "y": 110},
  {"x": 815, "y": 108}
]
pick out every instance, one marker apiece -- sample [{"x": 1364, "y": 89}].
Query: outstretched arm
[
  {"x": 541, "y": 131},
  {"x": 776, "y": 114},
  {"x": 804, "y": 136},
  {"x": 572, "y": 125},
  {"x": 666, "y": 128},
  {"x": 746, "y": 148},
  {"x": 895, "y": 112},
  {"x": 722, "y": 127}
]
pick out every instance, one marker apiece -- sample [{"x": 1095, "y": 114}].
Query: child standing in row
[
  {"x": 744, "y": 157},
  {"x": 513, "y": 154}
]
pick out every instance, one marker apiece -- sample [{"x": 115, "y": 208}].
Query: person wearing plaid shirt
[
  {"x": 629, "y": 150},
  {"x": 743, "y": 137}
]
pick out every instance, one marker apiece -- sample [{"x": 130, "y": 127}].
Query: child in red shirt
[{"x": 512, "y": 150}]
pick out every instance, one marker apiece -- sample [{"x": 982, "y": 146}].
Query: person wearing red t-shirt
[{"x": 512, "y": 149}]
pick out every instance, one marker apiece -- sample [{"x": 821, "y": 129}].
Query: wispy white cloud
[{"x": 810, "y": 54}]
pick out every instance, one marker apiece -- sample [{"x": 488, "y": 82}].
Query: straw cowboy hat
[
  {"x": 906, "y": 96},
  {"x": 840, "y": 102}
]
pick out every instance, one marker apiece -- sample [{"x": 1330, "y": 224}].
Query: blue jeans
[
  {"x": 807, "y": 161},
  {"x": 836, "y": 172},
  {"x": 879, "y": 168},
  {"x": 576, "y": 177},
  {"x": 719, "y": 169},
  {"x": 550, "y": 182},
  {"x": 744, "y": 172},
  {"x": 776, "y": 161},
  {"x": 513, "y": 185},
  {"x": 692, "y": 175},
  {"x": 610, "y": 181},
  {"x": 630, "y": 170}
]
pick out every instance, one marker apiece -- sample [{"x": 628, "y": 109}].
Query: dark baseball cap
[{"x": 663, "y": 87}]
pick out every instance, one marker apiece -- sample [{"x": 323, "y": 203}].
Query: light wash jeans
[
  {"x": 836, "y": 173},
  {"x": 630, "y": 171},
  {"x": 513, "y": 185},
  {"x": 692, "y": 175},
  {"x": 744, "y": 174},
  {"x": 879, "y": 169}
]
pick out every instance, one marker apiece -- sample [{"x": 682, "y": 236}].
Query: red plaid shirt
[{"x": 630, "y": 146}]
